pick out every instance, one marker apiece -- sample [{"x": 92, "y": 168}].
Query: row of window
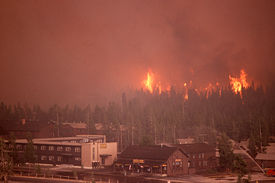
[
  {"x": 50, "y": 148},
  {"x": 60, "y": 148},
  {"x": 200, "y": 164},
  {"x": 85, "y": 141},
  {"x": 177, "y": 164},
  {"x": 203, "y": 163},
  {"x": 58, "y": 158},
  {"x": 200, "y": 156}
]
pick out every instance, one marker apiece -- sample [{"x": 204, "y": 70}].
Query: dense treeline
[{"x": 155, "y": 118}]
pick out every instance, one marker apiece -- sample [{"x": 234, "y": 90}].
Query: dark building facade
[
  {"x": 21, "y": 128},
  {"x": 73, "y": 129},
  {"x": 201, "y": 156},
  {"x": 53, "y": 153},
  {"x": 154, "y": 159}
]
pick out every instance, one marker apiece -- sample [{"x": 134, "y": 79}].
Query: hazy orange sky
[{"x": 89, "y": 51}]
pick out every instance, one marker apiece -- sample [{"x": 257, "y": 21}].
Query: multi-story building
[{"x": 82, "y": 150}]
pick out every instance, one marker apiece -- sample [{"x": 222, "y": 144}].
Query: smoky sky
[{"x": 87, "y": 52}]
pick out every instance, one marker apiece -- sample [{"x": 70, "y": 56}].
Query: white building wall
[
  {"x": 91, "y": 153},
  {"x": 108, "y": 149},
  {"x": 86, "y": 154}
]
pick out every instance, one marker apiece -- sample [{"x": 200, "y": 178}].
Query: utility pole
[
  {"x": 261, "y": 143},
  {"x": 57, "y": 121},
  {"x": 155, "y": 131},
  {"x": 120, "y": 137},
  {"x": 88, "y": 120}
]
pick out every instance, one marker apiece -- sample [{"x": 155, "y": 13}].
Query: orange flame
[
  {"x": 152, "y": 84},
  {"x": 186, "y": 91},
  {"x": 159, "y": 87},
  {"x": 238, "y": 83},
  {"x": 209, "y": 89},
  {"x": 148, "y": 83}
]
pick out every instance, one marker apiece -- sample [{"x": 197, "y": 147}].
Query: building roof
[
  {"x": 99, "y": 126},
  {"x": 269, "y": 155},
  {"x": 36, "y": 142},
  {"x": 63, "y": 140},
  {"x": 152, "y": 152},
  {"x": 196, "y": 148},
  {"x": 270, "y": 148},
  {"x": 262, "y": 156},
  {"x": 77, "y": 125},
  {"x": 186, "y": 140}
]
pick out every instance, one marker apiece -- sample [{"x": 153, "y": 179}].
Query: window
[
  {"x": 59, "y": 158},
  {"x": 202, "y": 155},
  {"x": 77, "y": 149},
  {"x": 51, "y": 158},
  {"x": 43, "y": 148},
  {"x": 35, "y": 157},
  {"x": 19, "y": 147},
  {"x": 77, "y": 158},
  {"x": 204, "y": 163},
  {"x": 35, "y": 147},
  {"x": 43, "y": 158},
  {"x": 194, "y": 156},
  {"x": 93, "y": 153},
  {"x": 59, "y": 148},
  {"x": 68, "y": 149},
  {"x": 199, "y": 155},
  {"x": 51, "y": 148}
]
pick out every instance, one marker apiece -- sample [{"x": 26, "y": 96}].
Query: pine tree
[
  {"x": 29, "y": 153},
  {"x": 6, "y": 163},
  {"x": 226, "y": 153}
]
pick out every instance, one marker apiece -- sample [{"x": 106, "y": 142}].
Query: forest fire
[
  {"x": 238, "y": 83},
  {"x": 149, "y": 81}
]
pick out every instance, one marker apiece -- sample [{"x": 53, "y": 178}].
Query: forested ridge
[{"x": 157, "y": 118}]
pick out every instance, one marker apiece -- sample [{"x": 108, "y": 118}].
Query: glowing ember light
[
  {"x": 168, "y": 88},
  {"x": 186, "y": 92},
  {"x": 159, "y": 87},
  {"x": 149, "y": 81},
  {"x": 197, "y": 91},
  {"x": 209, "y": 89},
  {"x": 186, "y": 96},
  {"x": 243, "y": 79},
  {"x": 238, "y": 83}
]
